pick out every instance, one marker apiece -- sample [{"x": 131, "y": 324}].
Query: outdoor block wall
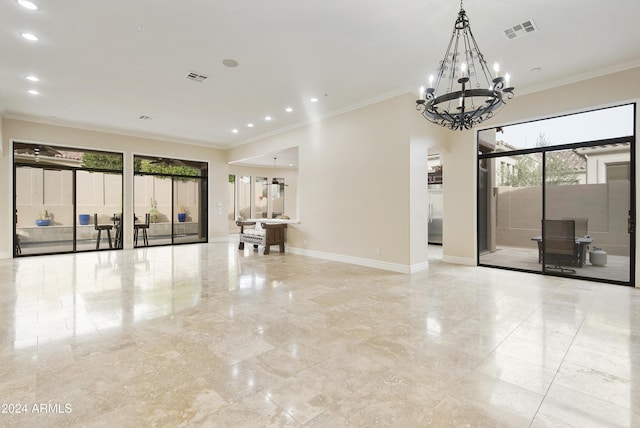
[
  {"x": 156, "y": 189},
  {"x": 518, "y": 213},
  {"x": 39, "y": 189}
]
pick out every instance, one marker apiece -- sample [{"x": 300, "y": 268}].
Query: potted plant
[
  {"x": 44, "y": 218},
  {"x": 84, "y": 219},
  {"x": 154, "y": 215},
  {"x": 182, "y": 213}
]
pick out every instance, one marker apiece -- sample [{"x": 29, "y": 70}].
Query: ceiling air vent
[
  {"x": 143, "y": 117},
  {"x": 520, "y": 29},
  {"x": 196, "y": 77}
]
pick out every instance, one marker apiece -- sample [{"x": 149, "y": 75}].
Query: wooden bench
[{"x": 266, "y": 235}]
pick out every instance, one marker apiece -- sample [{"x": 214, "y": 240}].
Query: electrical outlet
[{"x": 377, "y": 251}]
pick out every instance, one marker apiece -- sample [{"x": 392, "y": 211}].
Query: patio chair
[
  {"x": 559, "y": 245},
  {"x": 100, "y": 228},
  {"x": 137, "y": 227}
]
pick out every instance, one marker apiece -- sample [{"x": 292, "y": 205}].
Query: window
[
  {"x": 542, "y": 172},
  {"x": 618, "y": 171}
]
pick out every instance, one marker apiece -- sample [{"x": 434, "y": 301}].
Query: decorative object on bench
[
  {"x": 84, "y": 219},
  {"x": 44, "y": 218},
  {"x": 154, "y": 215},
  {"x": 262, "y": 234},
  {"x": 182, "y": 213}
]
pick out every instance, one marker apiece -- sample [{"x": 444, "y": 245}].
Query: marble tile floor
[{"x": 206, "y": 335}]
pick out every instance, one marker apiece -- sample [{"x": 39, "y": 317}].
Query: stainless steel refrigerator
[{"x": 435, "y": 214}]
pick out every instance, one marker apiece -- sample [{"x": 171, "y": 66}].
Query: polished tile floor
[{"x": 206, "y": 335}]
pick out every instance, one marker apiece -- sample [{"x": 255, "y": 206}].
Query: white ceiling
[
  {"x": 285, "y": 159},
  {"x": 103, "y": 64}
]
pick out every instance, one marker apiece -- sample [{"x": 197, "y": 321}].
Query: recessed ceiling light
[
  {"x": 230, "y": 63},
  {"x": 32, "y": 78},
  {"x": 250, "y": 125},
  {"x": 267, "y": 118},
  {"x": 314, "y": 100},
  {"x": 288, "y": 109},
  {"x": 27, "y": 4},
  {"x": 235, "y": 131},
  {"x": 29, "y": 36},
  {"x": 33, "y": 92}
]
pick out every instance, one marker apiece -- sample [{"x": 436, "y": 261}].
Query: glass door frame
[{"x": 548, "y": 149}]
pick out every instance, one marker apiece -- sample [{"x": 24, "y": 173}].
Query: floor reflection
[{"x": 208, "y": 335}]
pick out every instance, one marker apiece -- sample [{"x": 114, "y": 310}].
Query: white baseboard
[
  {"x": 459, "y": 260},
  {"x": 419, "y": 267},
  {"x": 377, "y": 264}
]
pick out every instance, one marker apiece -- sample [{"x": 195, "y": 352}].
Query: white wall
[
  {"x": 425, "y": 138},
  {"x": 355, "y": 201},
  {"x": 6, "y": 196}
]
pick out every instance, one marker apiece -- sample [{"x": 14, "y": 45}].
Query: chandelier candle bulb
[
  {"x": 422, "y": 93},
  {"x": 431, "y": 81},
  {"x": 507, "y": 78},
  {"x": 496, "y": 68}
]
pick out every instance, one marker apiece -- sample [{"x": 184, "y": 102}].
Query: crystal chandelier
[{"x": 478, "y": 96}]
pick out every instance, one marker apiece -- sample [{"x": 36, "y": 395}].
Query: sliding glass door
[
  {"x": 99, "y": 208},
  {"x": 188, "y": 194},
  {"x": 593, "y": 208},
  {"x": 170, "y": 201},
  {"x": 553, "y": 203},
  {"x": 44, "y": 210},
  {"x": 60, "y": 192},
  {"x": 511, "y": 198}
]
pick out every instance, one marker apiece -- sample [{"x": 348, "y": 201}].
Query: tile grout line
[{"x": 558, "y": 369}]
